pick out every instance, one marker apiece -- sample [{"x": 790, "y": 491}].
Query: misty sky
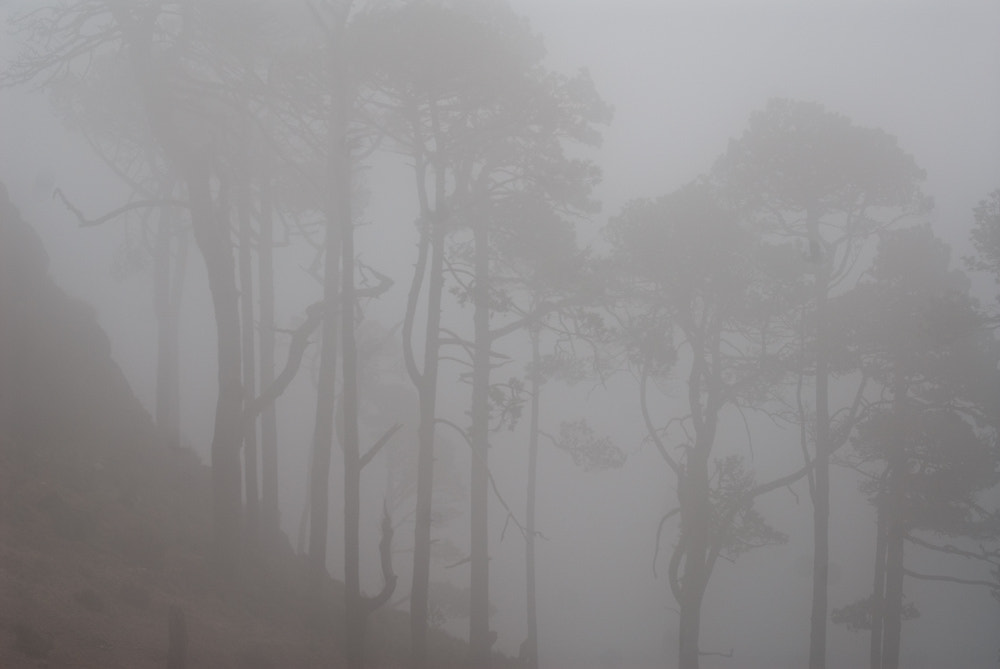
[{"x": 683, "y": 78}]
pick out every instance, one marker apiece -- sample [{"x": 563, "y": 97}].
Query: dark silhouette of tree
[
  {"x": 105, "y": 109},
  {"x": 190, "y": 90},
  {"x": 927, "y": 448},
  {"x": 555, "y": 272},
  {"x": 694, "y": 294},
  {"x": 468, "y": 100},
  {"x": 808, "y": 175},
  {"x": 410, "y": 71}
]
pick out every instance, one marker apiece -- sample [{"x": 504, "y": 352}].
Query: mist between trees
[{"x": 790, "y": 306}]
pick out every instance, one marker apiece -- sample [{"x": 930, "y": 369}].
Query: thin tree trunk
[
  {"x": 878, "y": 590},
  {"x": 480, "y": 641},
  {"x": 9, "y": 282},
  {"x": 427, "y": 394},
  {"x": 167, "y": 333},
  {"x": 895, "y": 532},
  {"x": 530, "y": 654},
  {"x": 695, "y": 528},
  {"x": 338, "y": 215},
  {"x": 270, "y": 513},
  {"x": 251, "y": 490},
  {"x": 354, "y": 614},
  {"x": 319, "y": 484},
  {"x": 893, "y": 595},
  {"x": 821, "y": 479},
  {"x": 432, "y": 241}
]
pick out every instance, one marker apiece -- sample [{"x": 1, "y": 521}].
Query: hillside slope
[{"x": 103, "y": 531}]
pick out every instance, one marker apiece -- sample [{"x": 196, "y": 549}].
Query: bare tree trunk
[
  {"x": 319, "y": 484},
  {"x": 427, "y": 393},
  {"x": 338, "y": 215},
  {"x": 893, "y": 595},
  {"x": 213, "y": 240},
  {"x": 251, "y": 490},
  {"x": 357, "y": 607},
  {"x": 690, "y": 625},
  {"x": 895, "y": 531},
  {"x": 9, "y": 281},
  {"x": 878, "y": 589},
  {"x": 270, "y": 513},
  {"x": 212, "y": 236},
  {"x": 167, "y": 332},
  {"x": 480, "y": 641},
  {"x": 821, "y": 478},
  {"x": 432, "y": 241},
  {"x": 695, "y": 527},
  {"x": 354, "y": 613},
  {"x": 530, "y": 652}
]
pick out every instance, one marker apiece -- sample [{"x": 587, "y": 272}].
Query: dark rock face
[{"x": 58, "y": 382}]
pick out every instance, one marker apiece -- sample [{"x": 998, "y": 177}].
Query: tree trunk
[
  {"x": 893, "y": 595},
  {"x": 251, "y": 490},
  {"x": 325, "y": 400},
  {"x": 192, "y": 163},
  {"x": 9, "y": 283},
  {"x": 354, "y": 613},
  {"x": 480, "y": 641},
  {"x": 212, "y": 237},
  {"x": 167, "y": 331},
  {"x": 821, "y": 478},
  {"x": 695, "y": 527},
  {"x": 427, "y": 393},
  {"x": 877, "y": 603},
  {"x": 895, "y": 531},
  {"x": 338, "y": 213},
  {"x": 690, "y": 625},
  {"x": 530, "y": 654},
  {"x": 270, "y": 513}
]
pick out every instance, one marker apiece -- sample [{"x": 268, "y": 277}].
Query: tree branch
[
  {"x": 995, "y": 585},
  {"x": 139, "y": 204},
  {"x": 377, "y": 446},
  {"x": 659, "y": 531},
  {"x": 651, "y": 429},
  {"x": 388, "y": 576},
  {"x": 300, "y": 340},
  {"x": 493, "y": 483}
]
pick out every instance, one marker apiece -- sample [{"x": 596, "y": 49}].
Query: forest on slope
[{"x": 783, "y": 331}]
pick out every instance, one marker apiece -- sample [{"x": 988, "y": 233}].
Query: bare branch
[
  {"x": 377, "y": 446},
  {"x": 651, "y": 429},
  {"x": 300, "y": 340},
  {"x": 659, "y": 531},
  {"x": 132, "y": 206},
  {"x": 995, "y": 585}
]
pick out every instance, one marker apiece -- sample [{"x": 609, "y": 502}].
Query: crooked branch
[
  {"x": 300, "y": 340},
  {"x": 131, "y": 206}
]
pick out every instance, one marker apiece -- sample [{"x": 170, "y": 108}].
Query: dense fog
[{"x": 681, "y": 316}]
